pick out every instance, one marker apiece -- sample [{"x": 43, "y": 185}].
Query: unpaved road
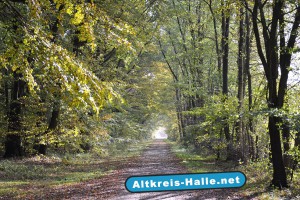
[{"x": 156, "y": 159}]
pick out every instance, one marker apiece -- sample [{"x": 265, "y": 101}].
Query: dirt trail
[{"x": 156, "y": 159}]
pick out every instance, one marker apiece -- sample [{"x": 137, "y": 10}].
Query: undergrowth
[
  {"x": 258, "y": 174},
  {"x": 48, "y": 171}
]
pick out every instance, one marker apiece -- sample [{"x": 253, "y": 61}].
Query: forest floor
[{"x": 157, "y": 158}]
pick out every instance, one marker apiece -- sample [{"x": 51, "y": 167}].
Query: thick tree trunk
[
  {"x": 279, "y": 174},
  {"x": 13, "y": 147},
  {"x": 55, "y": 115},
  {"x": 53, "y": 123},
  {"x": 284, "y": 63}
]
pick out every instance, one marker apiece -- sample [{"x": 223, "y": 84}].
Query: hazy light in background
[{"x": 160, "y": 133}]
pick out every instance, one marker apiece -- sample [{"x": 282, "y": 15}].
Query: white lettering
[
  {"x": 237, "y": 179},
  {"x": 166, "y": 184},
  {"x": 223, "y": 181},
  {"x": 152, "y": 183},
  {"x": 197, "y": 182},
  {"x": 159, "y": 183},
  {"x": 188, "y": 181},
  {"x": 142, "y": 184},
  {"x": 231, "y": 181},
  {"x": 147, "y": 184},
  {"x": 136, "y": 184}
]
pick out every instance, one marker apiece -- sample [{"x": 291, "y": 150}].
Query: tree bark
[
  {"x": 179, "y": 114},
  {"x": 279, "y": 174},
  {"x": 240, "y": 137},
  {"x": 249, "y": 81},
  {"x": 225, "y": 53},
  {"x": 13, "y": 143}
]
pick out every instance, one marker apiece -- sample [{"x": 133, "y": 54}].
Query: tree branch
[
  {"x": 165, "y": 57},
  {"x": 257, "y": 37}
]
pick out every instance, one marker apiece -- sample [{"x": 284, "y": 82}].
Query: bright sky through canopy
[{"x": 160, "y": 133}]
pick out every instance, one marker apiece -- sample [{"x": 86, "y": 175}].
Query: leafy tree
[{"x": 277, "y": 52}]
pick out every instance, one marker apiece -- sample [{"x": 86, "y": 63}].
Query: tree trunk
[
  {"x": 249, "y": 79},
  {"x": 279, "y": 174},
  {"x": 13, "y": 147},
  {"x": 284, "y": 61},
  {"x": 240, "y": 137},
  {"x": 216, "y": 36},
  {"x": 286, "y": 144},
  {"x": 225, "y": 53},
  {"x": 179, "y": 113}
]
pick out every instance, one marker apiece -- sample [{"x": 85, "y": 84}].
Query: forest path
[{"x": 157, "y": 158}]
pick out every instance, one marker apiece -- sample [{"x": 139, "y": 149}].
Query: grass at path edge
[
  {"x": 258, "y": 174},
  {"x": 20, "y": 177}
]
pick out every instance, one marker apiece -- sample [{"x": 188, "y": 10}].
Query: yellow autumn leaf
[{"x": 78, "y": 17}]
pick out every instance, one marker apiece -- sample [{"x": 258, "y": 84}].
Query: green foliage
[
  {"x": 79, "y": 59},
  {"x": 214, "y": 111},
  {"x": 17, "y": 176}
]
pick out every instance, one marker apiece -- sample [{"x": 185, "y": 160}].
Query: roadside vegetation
[
  {"x": 258, "y": 173},
  {"x": 27, "y": 176}
]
